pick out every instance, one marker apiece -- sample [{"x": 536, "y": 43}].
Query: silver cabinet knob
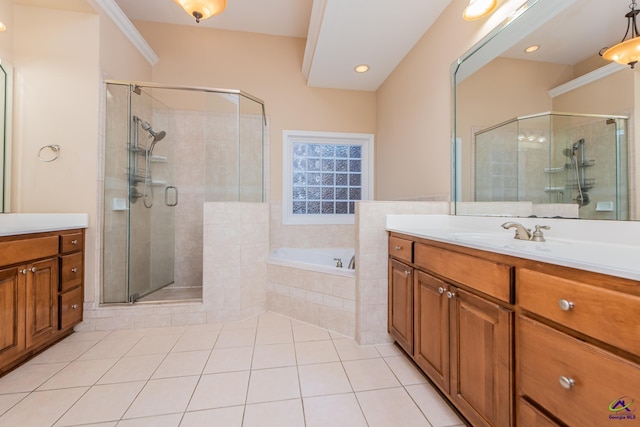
[
  {"x": 565, "y": 305},
  {"x": 74, "y": 270},
  {"x": 441, "y": 290},
  {"x": 398, "y": 248},
  {"x": 566, "y": 382},
  {"x": 407, "y": 272},
  {"x": 33, "y": 269},
  {"x": 74, "y": 242},
  {"x": 24, "y": 271},
  {"x": 450, "y": 294},
  {"x": 74, "y": 306}
]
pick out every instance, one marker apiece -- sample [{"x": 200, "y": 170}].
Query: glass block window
[{"x": 325, "y": 175}]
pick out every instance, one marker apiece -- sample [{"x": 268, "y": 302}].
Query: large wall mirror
[
  {"x": 6, "y": 78},
  {"x": 548, "y": 132}
]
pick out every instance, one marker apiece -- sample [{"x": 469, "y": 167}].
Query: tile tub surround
[
  {"x": 266, "y": 370},
  {"x": 321, "y": 299},
  {"x": 600, "y": 246}
]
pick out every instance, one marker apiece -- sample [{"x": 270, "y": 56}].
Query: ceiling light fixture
[
  {"x": 2, "y": 26},
  {"x": 362, "y": 68},
  {"x": 627, "y": 52},
  {"x": 532, "y": 48},
  {"x": 479, "y": 9},
  {"x": 202, "y": 9}
]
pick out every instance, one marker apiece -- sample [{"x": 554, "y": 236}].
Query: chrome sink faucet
[{"x": 523, "y": 233}]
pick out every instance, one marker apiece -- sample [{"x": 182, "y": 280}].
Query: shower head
[{"x": 157, "y": 136}]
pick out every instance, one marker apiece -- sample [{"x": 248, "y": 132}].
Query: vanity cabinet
[
  {"x": 34, "y": 284},
  {"x": 456, "y": 314}
]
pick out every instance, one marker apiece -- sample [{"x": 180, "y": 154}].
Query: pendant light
[
  {"x": 627, "y": 52},
  {"x": 479, "y": 9},
  {"x": 202, "y": 9}
]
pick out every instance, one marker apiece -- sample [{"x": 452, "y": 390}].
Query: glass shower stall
[
  {"x": 167, "y": 151},
  {"x": 556, "y": 158}
]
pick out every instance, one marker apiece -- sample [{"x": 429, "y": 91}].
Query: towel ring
[{"x": 54, "y": 148}]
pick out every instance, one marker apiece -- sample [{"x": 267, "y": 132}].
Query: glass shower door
[{"x": 153, "y": 195}]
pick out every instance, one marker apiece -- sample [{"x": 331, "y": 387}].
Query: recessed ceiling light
[
  {"x": 2, "y": 26},
  {"x": 532, "y": 48},
  {"x": 479, "y": 9},
  {"x": 362, "y": 68}
]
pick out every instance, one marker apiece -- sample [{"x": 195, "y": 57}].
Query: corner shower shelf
[
  {"x": 554, "y": 189},
  {"x": 554, "y": 170},
  {"x": 585, "y": 184}
]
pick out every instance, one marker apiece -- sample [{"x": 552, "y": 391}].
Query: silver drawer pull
[
  {"x": 441, "y": 290},
  {"x": 407, "y": 272},
  {"x": 450, "y": 294},
  {"x": 74, "y": 306},
  {"x": 398, "y": 248},
  {"x": 74, "y": 270},
  {"x": 74, "y": 242},
  {"x": 565, "y": 305},
  {"x": 567, "y": 383}
]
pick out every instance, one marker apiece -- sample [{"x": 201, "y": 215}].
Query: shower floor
[{"x": 171, "y": 293}]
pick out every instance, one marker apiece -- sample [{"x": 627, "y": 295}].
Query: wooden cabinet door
[
  {"x": 401, "y": 304},
  {"x": 481, "y": 359},
  {"x": 11, "y": 314},
  {"x": 431, "y": 327},
  {"x": 41, "y": 301}
]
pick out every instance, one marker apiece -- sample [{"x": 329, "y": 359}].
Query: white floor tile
[
  {"x": 182, "y": 364},
  {"x": 220, "y": 390},
  {"x": 303, "y": 332},
  {"x": 273, "y": 320},
  {"x": 390, "y": 407},
  {"x": 268, "y": 385},
  {"x": 110, "y": 348},
  {"x": 222, "y": 417},
  {"x": 136, "y": 368},
  {"x": 350, "y": 350},
  {"x": 63, "y": 352},
  {"x": 341, "y": 410},
  {"x": 29, "y": 377},
  {"x": 250, "y": 323},
  {"x": 87, "y": 336},
  {"x": 101, "y": 404},
  {"x": 322, "y": 379},
  {"x": 405, "y": 371},
  {"x": 229, "y": 360},
  {"x": 286, "y": 413},
  {"x": 9, "y": 400},
  {"x": 194, "y": 340},
  {"x": 370, "y": 374},
  {"x": 236, "y": 338},
  {"x": 79, "y": 373},
  {"x": 164, "y": 396},
  {"x": 281, "y": 335},
  {"x": 273, "y": 356},
  {"x": 388, "y": 350},
  {"x": 433, "y": 406},
  {"x": 316, "y": 352},
  {"x": 154, "y": 344},
  {"x": 171, "y": 420},
  {"x": 41, "y": 408}
]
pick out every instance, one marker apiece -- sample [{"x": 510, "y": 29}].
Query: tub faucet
[
  {"x": 338, "y": 262},
  {"x": 522, "y": 233},
  {"x": 352, "y": 263}
]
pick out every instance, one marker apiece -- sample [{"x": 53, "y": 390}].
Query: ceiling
[{"x": 340, "y": 33}]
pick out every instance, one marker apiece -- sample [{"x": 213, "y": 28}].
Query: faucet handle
[{"x": 537, "y": 235}]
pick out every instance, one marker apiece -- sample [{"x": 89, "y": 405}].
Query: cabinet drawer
[
  {"x": 70, "y": 308},
  {"x": 71, "y": 273},
  {"x": 575, "y": 381},
  {"x": 528, "y": 416},
  {"x": 71, "y": 242},
  {"x": 17, "y": 251},
  {"x": 606, "y": 315},
  {"x": 401, "y": 248},
  {"x": 489, "y": 277}
]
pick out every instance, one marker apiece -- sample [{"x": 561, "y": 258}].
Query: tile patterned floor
[{"x": 266, "y": 371}]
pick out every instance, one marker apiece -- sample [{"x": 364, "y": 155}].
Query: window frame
[{"x": 366, "y": 141}]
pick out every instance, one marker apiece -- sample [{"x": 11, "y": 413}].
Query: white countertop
[
  {"x": 26, "y": 223},
  {"x": 608, "y": 247}
]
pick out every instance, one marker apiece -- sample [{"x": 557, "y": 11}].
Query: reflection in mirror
[
  {"x": 547, "y": 133},
  {"x": 6, "y": 76}
]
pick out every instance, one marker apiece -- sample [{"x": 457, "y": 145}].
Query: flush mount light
[
  {"x": 2, "y": 26},
  {"x": 627, "y": 52},
  {"x": 362, "y": 68},
  {"x": 532, "y": 48},
  {"x": 202, "y": 9},
  {"x": 479, "y": 9}
]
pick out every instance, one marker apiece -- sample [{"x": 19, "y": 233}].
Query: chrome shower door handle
[{"x": 166, "y": 195}]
